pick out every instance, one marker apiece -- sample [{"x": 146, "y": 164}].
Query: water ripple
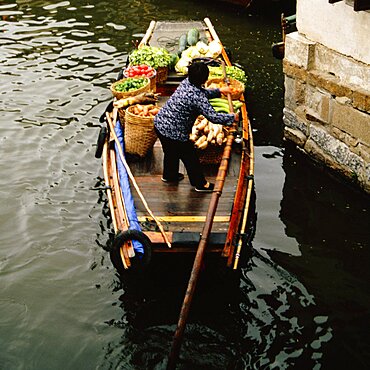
[
  {"x": 58, "y": 286},
  {"x": 280, "y": 338}
]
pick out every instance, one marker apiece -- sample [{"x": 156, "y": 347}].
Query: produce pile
[
  {"x": 139, "y": 70},
  {"x": 222, "y": 105},
  {"x": 191, "y": 46},
  {"x": 205, "y": 133},
  {"x": 130, "y": 84},
  {"x": 145, "y": 110},
  {"x": 231, "y": 72},
  {"x": 143, "y": 98},
  {"x": 150, "y": 55}
]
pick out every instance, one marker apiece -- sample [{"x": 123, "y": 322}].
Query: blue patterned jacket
[{"x": 176, "y": 118}]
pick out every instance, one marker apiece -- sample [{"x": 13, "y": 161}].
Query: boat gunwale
[{"x": 246, "y": 173}]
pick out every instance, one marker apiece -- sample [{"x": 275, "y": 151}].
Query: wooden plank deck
[{"x": 179, "y": 207}]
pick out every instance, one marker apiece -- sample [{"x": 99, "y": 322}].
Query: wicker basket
[
  {"x": 212, "y": 154},
  {"x": 162, "y": 74},
  {"x": 153, "y": 80},
  {"x": 122, "y": 115},
  {"x": 139, "y": 133},
  {"x": 234, "y": 83},
  {"x": 126, "y": 94}
]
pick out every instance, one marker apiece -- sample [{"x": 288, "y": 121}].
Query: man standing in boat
[{"x": 174, "y": 122}]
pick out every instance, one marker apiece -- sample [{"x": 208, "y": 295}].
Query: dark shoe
[
  {"x": 180, "y": 177},
  {"x": 207, "y": 188}
]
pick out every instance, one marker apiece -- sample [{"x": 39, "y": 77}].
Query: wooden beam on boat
[
  {"x": 112, "y": 204},
  {"x": 126, "y": 249},
  {"x": 106, "y": 165},
  {"x": 246, "y": 123},
  {"x": 184, "y": 218},
  {"x": 148, "y": 33},
  {"x": 122, "y": 219},
  {"x": 215, "y": 37},
  {"x": 185, "y": 241},
  {"x": 238, "y": 205},
  {"x": 250, "y": 184}
]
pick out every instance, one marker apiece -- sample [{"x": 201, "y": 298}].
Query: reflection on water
[
  {"x": 300, "y": 300},
  {"x": 286, "y": 328},
  {"x": 151, "y": 305},
  {"x": 335, "y": 255},
  {"x": 261, "y": 318}
]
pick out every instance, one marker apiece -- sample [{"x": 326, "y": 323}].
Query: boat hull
[{"x": 181, "y": 211}]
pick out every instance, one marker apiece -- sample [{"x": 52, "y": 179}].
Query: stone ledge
[
  {"x": 351, "y": 121},
  {"x": 360, "y": 98},
  {"x": 295, "y": 136},
  {"x": 328, "y": 149},
  {"x": 299, "y": 50},
  {"x": 294, "y": 71},
  {"x": 337, "y": 156},
  {"x": 291, "y": 120}
]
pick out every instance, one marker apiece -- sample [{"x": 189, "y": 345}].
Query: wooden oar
[
  {"x": 131, "y": 176},
  {"x": 220, "y": 179},
  {"x": 246, "y": 207}
]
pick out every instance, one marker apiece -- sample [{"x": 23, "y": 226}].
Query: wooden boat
[
  {"x": 287, "y": 24},
  {"x": 172, "y": 216}
]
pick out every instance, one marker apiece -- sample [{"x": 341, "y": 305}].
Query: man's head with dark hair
[{"x": 198, "y": 73}]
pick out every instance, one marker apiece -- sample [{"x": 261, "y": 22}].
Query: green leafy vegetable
[
  {"x": 152, "y": 56},
  {"x": 131, "y": 84},
  {"x": 231, "y": 71}
]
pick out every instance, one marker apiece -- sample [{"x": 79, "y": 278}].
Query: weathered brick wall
[{"x": 327, "y": 107}]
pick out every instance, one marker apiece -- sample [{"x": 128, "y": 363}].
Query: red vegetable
[{"x": 140, "y": 70}]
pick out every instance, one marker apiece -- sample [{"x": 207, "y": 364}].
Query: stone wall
[
  {"x": 337, "y": 26},
  {"x": 327, "y": 107}
]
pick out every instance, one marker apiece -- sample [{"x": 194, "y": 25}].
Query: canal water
[{"x": 302, "y": 299}]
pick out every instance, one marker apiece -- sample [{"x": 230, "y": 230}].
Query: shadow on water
[
  {"x": 151, "y": 304},
  {"x": 333, "y": 264},
  {"x": 259, "y": 317},
  {"x": 151, "y": 301}
]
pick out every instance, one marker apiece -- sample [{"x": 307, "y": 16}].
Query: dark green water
[{"x": 302, "y": 300}]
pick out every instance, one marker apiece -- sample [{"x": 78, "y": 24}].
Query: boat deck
[
  {"x": 181, "y": 209},
  {"x": 166, "y": 34}
]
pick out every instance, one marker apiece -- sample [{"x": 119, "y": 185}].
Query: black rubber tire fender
[
  {"x": 136, "y": 262},
  {"x": 101, "y": 140}
]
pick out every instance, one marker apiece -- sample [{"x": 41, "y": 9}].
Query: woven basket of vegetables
[
  {"x": 212, "y": 154},
  {"x": 142, "y": 70},
  {"x": 156, "y": 57},
  {"x": 209, "y": 139},
  {"x": 130, "y": 86},
  {"x": 231, "y": 71},
  {"x": 122, "y": 116},
  {"x": 162, "y": 74},
  {"x": 236, "y": 86},
  {"x": 139, "y": 129}
]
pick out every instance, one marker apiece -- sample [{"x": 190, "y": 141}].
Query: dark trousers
[{"x": 174, "y": 151}]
